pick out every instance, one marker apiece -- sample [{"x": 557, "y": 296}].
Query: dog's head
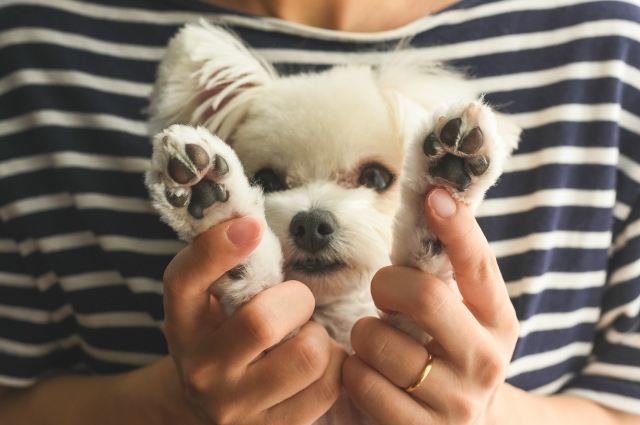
[{"x": 327, "y": 148}]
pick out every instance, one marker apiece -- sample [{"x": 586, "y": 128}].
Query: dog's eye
[
  {"x": 376, "y": 177},
  {"x": 269, "y": 180}
]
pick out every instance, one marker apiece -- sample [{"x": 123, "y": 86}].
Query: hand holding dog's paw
[
  {"x": 196, "y": 181},
  {"x": 458, "y": 149},
  {"x": 223, "y": 365},
  {"x": 473, "y": 340}
]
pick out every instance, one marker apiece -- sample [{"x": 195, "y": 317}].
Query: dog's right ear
[{"x": 207, "y": 77}]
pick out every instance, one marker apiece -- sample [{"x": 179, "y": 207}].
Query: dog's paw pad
[
  {"x": 190, "y": 171},
  {"x": 195, "y": 177},
  {"x": 460, "y": 145},
  {"x": 451, "y": 132},
  {"x": 471, "y": 142},
  {"x": 204, "y": 194}
]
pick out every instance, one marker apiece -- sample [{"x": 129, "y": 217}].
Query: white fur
[{"x": 317, "y": 132}]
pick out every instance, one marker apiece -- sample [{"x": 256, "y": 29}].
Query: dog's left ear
[{"x": 207, "y": 77}]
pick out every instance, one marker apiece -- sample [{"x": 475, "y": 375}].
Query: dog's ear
[
  {"x": 207, "y": 77},
  {"x": 412, "y": 84}
]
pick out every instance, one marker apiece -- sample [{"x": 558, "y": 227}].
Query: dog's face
[
  {"x": 328, "y": 152},
  {"x": 327, "y": 148}
]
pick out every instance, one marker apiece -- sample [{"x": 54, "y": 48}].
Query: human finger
[
  {"x": 476, "y": 270},
  {"x": 383, "y": 401},
  {"x": 192, "y": 271},
  {"x": 431, "y": 303},
  {"x": 309, "y": 404},
  {"x": 401, "y": 359},
  {"x": 287, "y": 369},
  {"x": 257, "y": 325}
]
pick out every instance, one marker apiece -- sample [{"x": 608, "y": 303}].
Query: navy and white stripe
[{"x": 82, "y": 253}]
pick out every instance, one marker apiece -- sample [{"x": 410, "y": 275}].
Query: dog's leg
[
  {"x": 196, "y": 181},
  {"x": 459, "y": 148}
]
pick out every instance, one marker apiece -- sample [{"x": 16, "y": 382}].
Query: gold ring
[{"x": 422, "y": 376}]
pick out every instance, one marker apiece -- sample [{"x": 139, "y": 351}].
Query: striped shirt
[{"x": 82, "y": 253}]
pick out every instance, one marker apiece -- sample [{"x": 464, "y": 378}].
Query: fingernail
[
  {"x": 244, "y": 231},
  {"x": 442, "y": 203}
]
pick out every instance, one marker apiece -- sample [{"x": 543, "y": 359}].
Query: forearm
[
  {"x": 528, "y": 409},
  {"x": 116, "y": 399}
]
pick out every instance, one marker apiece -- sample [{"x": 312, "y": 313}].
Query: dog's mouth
[{"x": 317, "y": 267}]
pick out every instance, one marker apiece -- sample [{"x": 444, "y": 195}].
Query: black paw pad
[
  {"x": 177, "y": 201},
  {"x": 472, "y": 142},
  {"x": 238, "y": 272},
  {"x": 450, "y": 131},
  {"x": 477, "y": 166},
  {"x": 451, "y": 169},
  {"x": 197, "y": 155},
  {"x": 204, "y": 194},
  {"x": 179, "y": 172},
  {"x": 430, "y": 146},
  {"x": 220, "y": 166},
  {"x": 432, "y": 247}
]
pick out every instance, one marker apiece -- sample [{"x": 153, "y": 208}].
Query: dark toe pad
[
  {"x": 450, "y": 131},
  {"x": 197, "y": 155},
  {"x": 451, "y": 169},
  {"x": 472, "y": 142},
  {"x": 179, "y": 172}
]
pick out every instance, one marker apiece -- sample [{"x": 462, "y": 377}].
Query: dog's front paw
[
  {"x": 196, "y": 181},
  {"x": 190, "y": 178},
  {"x": 461, "y": 150}
]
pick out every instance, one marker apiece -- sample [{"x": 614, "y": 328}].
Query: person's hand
[
  {"x": 473, "y": 338},
  {"x": 221, "y": 363}
]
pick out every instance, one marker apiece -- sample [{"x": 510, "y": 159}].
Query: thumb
[{"x": 192, "y": 271}]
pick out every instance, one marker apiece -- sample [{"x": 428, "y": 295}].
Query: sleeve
[
  {"x": 611, "y": 376},
  {"x": 36, "y": 324}
]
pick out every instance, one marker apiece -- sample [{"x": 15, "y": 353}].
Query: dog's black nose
[{"x": 313, "y": 230}]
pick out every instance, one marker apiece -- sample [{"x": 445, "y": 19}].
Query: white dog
[{"x": 339, "y": 156}]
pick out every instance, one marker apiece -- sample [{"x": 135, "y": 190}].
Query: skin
[
  {"x": 474, "y": 339},
  {"x": 341, "y": 15},
  {"x": 217, "y": 372}
]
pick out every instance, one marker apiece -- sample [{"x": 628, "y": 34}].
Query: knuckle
[
  {"x": 512, "y": 331},
  {"x": 258, "y": 324},
  {"x": 430, "y": 299},
  {"x": 197, "y": 379},
  {"x": 328, "y": 391},
  {"x": 222, "y": 415},
  {"x": 359, "y": 384},
  {"x": 313, "y": 358},
  {"x": 489, "y": 368},
  {"x": 464, "y": 409}
]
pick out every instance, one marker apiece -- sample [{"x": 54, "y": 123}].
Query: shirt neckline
[{"x": 235, "y": 17}]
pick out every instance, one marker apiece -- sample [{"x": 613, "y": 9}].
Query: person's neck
[{"x": 342, "y": 15}]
